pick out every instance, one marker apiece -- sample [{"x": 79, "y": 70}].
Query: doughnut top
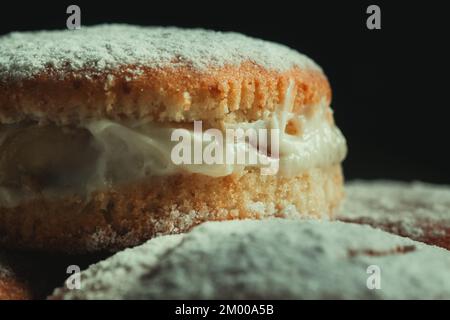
[
  {"x": 274, "y": 258},
  {"x": 101, "y": 48}
]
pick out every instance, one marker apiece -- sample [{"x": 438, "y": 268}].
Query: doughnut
[
  {"x": 418, "y": 210},
  {"x": 87, "y": 119},
  {"x": 13, "y": 286},
  {"x": 273, "y": 258},
  {"x": 34, "y": 275}
]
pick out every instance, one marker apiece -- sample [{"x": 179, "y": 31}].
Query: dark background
[{"x": 390, "y": 86}]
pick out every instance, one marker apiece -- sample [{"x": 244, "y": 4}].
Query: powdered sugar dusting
[
  {"x": 127, "y": 265},
  {"x": 273, "y": 258},
  {"x": 418, "y": 210},
  {"x": 106, "y": 47}
]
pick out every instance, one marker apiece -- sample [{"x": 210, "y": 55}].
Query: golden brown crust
[
  {"x": 230, "y": 93},
  {"x": 13, "y": 289},
  {"x": 12, "y": 285},
  {"x": 26, "y": 275},
  {"x": 116, "y": 219}
]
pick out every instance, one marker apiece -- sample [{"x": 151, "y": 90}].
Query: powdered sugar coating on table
[
  {"x": 107, "y": 47},
  {"x": 274, "y": 258}
]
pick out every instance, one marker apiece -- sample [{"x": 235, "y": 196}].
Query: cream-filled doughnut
[{"x": 87, "y": 125}]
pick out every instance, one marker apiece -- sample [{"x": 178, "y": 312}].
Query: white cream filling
[
  {"x": 143, "y": 150},
  {"x": 317, "y": 143}
]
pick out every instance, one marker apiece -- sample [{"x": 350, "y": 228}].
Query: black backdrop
[{"x": 389, "y": 85}]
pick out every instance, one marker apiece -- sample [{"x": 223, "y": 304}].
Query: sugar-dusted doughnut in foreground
[
  {"x": 86, "y": 124},
  {"x": 274, "y": 259},
  {"x": 418, "y": 210}
]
